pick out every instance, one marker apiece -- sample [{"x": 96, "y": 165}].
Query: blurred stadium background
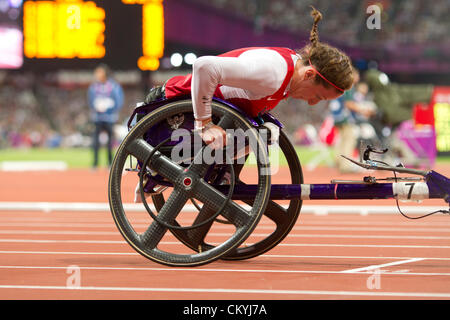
[{"x": 49, "y": 49}]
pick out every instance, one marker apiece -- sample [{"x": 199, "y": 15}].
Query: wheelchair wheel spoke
[
  {"x": 166, "y": 168},
  {"x": 198, "y": 235},
  {"x": 215, "y": 199},
  {"x": 226, "y": 122},
  {"x": 198, "y": 166},
  {"x": 170, "y": 210},
  {"x": 276, "y": 213}
]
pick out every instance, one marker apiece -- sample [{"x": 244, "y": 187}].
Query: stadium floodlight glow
[
  {"x": 15, "y": 3},
  {"x": 176, "y": 59},
  {"x": 190, "y": 57}
]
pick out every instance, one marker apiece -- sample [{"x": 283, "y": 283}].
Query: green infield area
[
  {"x": 73, "y": 157},
  {"x": 83, "y": 157}
]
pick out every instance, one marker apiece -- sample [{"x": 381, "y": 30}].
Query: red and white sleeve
[{"x": 260, "y": 71}]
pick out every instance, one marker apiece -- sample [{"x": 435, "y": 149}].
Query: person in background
[
  {"x": 105, "y": 99},
  {"x": 348, "y": 111}
]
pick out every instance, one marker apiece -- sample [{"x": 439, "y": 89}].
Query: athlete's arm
[{"x": 260, "y": 71}]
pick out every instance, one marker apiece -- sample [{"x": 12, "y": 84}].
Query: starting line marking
[
  {"x": 379, "y": 266},
  {"x": 243, "y": 291}
]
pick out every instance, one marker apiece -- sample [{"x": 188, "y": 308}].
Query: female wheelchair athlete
[{"x": 222, "y": 186}]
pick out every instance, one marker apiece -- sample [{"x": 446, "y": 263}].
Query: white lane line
[
  {"x": 261, "y": 226},
  {"x": 328, "y": 245},
  {"x": 396, "y": 229},
  {"x": 326, "y": 236},
  {"x": 239, "y": 291},
  {"x": 133, "y": 207},
  {"x": 62, "y": 241},
  {"x": 360, "y": 245},
  {"x": 107, "y": 220},
  {"x": 70, "y": 253},
  {"x": 179, "y": 269},
  {"x": 271, "y": 256},
  {"x": 315, "y": 245},
  {"x": 271, "y": 228},
  {"x": 400, "y": 272},
  {"x": 379, "y": 266},
  {"x": 363, "y": 236},
  {"x": 288, "y": 256},
  {"x": 94, "y": 233},
  {"x": 62, "y": 224},
  {"x": 33, "y": 165}
]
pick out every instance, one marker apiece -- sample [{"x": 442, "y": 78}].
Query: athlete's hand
[{"x": 211, "y": 134}]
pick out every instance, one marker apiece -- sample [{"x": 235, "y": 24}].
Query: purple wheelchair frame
[{"x": 431, "y": 185}]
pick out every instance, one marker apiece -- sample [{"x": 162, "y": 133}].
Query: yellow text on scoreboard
[
  {"x": 63, "y": 29},
  {"x": 152, "y": 33}
]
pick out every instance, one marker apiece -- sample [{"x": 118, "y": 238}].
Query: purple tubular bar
[
  {"x": 438, "y": 188},
  {"x": 315, "y": 191},
  {"x": 351, "y": 191}
]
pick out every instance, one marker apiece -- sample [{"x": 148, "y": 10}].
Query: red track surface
[{"x": 338, "y": 256}]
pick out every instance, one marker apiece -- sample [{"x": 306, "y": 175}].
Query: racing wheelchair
[{"x": 229, "y": 188}]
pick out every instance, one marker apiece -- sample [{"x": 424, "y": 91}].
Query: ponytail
[
  {"x": 314, "y": 35},
  {"x": 330, "y": 63}
]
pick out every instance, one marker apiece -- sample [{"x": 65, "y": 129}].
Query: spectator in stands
[{"x": 105, "y": 99}]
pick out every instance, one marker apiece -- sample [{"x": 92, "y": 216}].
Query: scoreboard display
[
  {"x": 63, "y": 29},
  {"x": 80, "y": 34},
  {"x": 441, "y": 107}
]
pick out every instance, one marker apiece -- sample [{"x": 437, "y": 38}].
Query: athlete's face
[
  {"x": 313, "y": 93},
  {"x": 304, "y": 87}
]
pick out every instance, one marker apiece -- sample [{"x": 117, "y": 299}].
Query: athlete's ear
[{"x": 309, "y": 74}]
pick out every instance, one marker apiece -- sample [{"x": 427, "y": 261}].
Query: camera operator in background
[{"x": 105, "y": 99}]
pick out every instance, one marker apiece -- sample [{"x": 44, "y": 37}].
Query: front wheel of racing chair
[{"x": 149, "y": 141}]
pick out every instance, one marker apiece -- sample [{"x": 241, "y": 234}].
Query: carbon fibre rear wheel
[{"x": 151, "y": 239}]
